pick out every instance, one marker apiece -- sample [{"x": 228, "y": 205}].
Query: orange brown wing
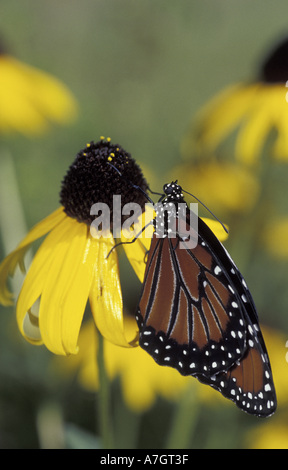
[{"x": 189, "y": 316}]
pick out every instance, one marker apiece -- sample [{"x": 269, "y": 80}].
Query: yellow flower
[
  {"x": 72, "y": 264},
  {"x": 275, "y": 236},
  {"x": 277, "y": 344},
  {"x": 142, "y": 380},
  {"x": 273, "y": 434},
  {"x": 253, "y": 110},
  {"x": 30, "y": 99},
  {"x": 225, "y": 186}
]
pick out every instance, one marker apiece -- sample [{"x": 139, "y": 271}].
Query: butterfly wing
[
  {"x": 191, "y": 315},
  {"x": 196, "y": 314},
  {"x": 249, "y": 383}
]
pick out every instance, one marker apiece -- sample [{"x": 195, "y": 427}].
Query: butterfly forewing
[{"x": 189, "y": 315}]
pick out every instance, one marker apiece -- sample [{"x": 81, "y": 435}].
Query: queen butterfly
[{"x": 196, "y": 314}]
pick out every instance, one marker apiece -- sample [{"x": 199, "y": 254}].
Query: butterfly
[{"x": 196, "y": 313}]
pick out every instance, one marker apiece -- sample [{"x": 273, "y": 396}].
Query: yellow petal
[
  {"x": 30, "y": 98},
  {"x": 280, "y": 150},
  {"x": 9, "y": 264},
  {"x": 274, "y": 238},
  {"x": 224, "y": 113},
  {"x": 77, "y": 294},
  {"x": 31, "y": 328},
  {"x": 254, "y": 131},
  {"x": 35, "y": 278},
  {"x": 137, "y": 250},
  {"x": 136, "y": 254},
  {"x": 216, "y": 228},
  {"x": 141, "y": 385},
  {"x": 44, "y": 226},
  {"x": 65, "y": 291},
  {"x": 280, "y": 123},
  {"x": 106, "y": 296}
]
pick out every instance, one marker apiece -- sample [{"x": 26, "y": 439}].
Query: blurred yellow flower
[
  {"x": 227, "y": 186},
  {"x": 276, "y": 343},
  {"x": 253, "y": 110},
  {"x": 275, "y": 236},
  {"x": 31, "y": 99},
  {"x": 142, "y": 380},
  {"x": 273, "y": 435},
  {"x": 72, "y": 264}
]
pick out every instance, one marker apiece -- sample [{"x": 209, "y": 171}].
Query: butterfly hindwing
[{"x": 249, "y": 382}]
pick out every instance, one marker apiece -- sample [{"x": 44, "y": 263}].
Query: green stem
[
  {"x": 104, "y": 399},
  {"x": 13, "y": 224},
  {"x": 12, "y": 219},
  {"x": 184, "y": 421}
]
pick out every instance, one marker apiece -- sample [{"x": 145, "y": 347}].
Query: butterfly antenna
[
  {"x": 135, "y": 186},
  {"x": 207, "y": 208},
  {"x": 153, "y": 192}
]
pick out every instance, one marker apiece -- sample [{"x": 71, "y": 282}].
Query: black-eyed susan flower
[
  {"x": 72, "y": 264},
  {"x": 253, "y": 111},
  {"x": 31, "y": 99}
]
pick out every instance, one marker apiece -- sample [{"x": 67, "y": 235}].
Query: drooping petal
[
  {"x": 106, "y": 296},
  {"x": 16, "y": 257},
  {"x": 31, "y": 98},
  {"x": 136, "y": 255},
  {"x": 35, "y": 280},
  {"x": 77, "y": 294},
  {"x": 65, "y": 291},
  {"x": 136, "y": 250},
  {"x": 31, "y": 328}
]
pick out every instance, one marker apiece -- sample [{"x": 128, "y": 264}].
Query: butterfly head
[{"x": 173, "y": 192}]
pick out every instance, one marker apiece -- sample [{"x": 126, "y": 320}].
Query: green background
[{"x": 139, "y": 69}]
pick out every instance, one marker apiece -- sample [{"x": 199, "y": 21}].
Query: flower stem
[
  {"x": 104, "y": 399},
  {"x": 184, "y": 421},
  {"x": 13, "y": 225}
]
